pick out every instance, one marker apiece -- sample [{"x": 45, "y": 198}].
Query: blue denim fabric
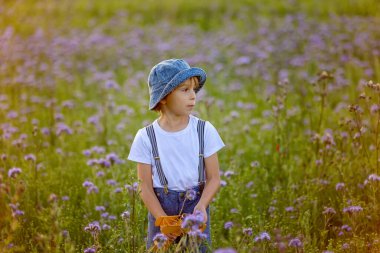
[
  {"x": 167, "y": 75},
  {"x": 172, "y": 203}
]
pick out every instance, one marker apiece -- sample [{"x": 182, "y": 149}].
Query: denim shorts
[{"x": 172, "y": 203}]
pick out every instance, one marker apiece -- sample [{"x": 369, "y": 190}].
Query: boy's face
[{"x": 181, "y": 100}]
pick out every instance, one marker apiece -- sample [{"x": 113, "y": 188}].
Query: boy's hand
[{"x": 202, "y": 209}]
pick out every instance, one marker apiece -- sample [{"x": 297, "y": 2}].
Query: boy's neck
[{"x": 171, "y": 123}]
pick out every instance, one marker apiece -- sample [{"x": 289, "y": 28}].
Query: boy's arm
[
  {"x": 144, "y": 173},
  {"x": 212, "y": 183}
]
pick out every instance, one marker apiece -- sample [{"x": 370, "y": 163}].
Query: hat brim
[{"x": 177, "y": 80}]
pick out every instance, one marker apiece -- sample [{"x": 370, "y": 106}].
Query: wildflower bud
[
  {"x": 160, "y": 240},
  {"x": 35, "y": 131},
  {"x": 353, "y": 108},
  {"x": 375, "y": 108},
  {"x": 324, "y": 75},
  {"x": 125, "y": 215},
  {"x": 52, "y": 198}
]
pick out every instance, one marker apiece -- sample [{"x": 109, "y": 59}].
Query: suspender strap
[
  {"x": 161, "y": 175},
  {"x": 153, "y": 142},
  {"x": 201, "y": 170}
]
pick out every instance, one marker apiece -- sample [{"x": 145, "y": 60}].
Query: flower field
[{"x": 293, "y": 90}]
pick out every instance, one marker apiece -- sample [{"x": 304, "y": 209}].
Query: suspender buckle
[
  {"x": 201, "y": 155},
  {"x": 166, "y": 190},
  {"x": 156, "y": 158}
]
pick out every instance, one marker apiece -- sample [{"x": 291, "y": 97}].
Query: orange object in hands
[{"x": 170, "y": 225}]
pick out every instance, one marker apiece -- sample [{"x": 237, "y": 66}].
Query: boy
[{"x": 178, "y": 151}]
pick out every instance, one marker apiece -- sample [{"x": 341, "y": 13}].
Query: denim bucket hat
[{"x": 167, "y": 75}]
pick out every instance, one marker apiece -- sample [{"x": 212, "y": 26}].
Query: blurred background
[{"x": 292, "y": 89}]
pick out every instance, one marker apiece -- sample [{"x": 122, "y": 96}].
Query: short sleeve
[
  {"x": 140, "y": 151},
  {"x": 213, "y": 142}
]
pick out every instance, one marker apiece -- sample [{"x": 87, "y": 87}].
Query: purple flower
[
  {"x": 133, "y": 188},
  {"x": 373, "y": 178},
  {"x": 12, "y": 115},
  {"x": 229, "y": 173},
  {"x": 247, "y": 231},
  {"x": 225, "y": 250},
  {"x": 92, "y": 162},
  {"x": 30, "y": 157},
  {"x": 264, "y": 236},
  {"x": 328, "y": 139},
  {"x": 87, "y": 184},
  {"x": 295, "y": 242},
  {"x": 100, "y": 208},
  {"x": 93, "y": 120},
  {"x": 90, "y": 250},
  {"x": 104, "y": 163},
  {"x": 53, "y": 197},
  {"x": 68, "y": 104},
  {"x": 86, "y": 152},
  {"x": 318, "y": 162},
  {"x": 12, "y": 173},
  {"x": 45, "y": 131},
  {"x": 97, "y": 149},
  {"x": 228, "y": 225},
  {"x": 92, "y": 189},
  {"x": 346, "y": 228},
  {"x": 374, "y": 108},
  {"x": 93, "y": 228},
  {"x": 160, "y": 240},
  {"x": 125, "y": 215},
  {"x": 223, "y": 183},
  {"x": 118, "y": 190},
  {"x": 113, "y": 158},
  {"x": 65, "y": 198},
  {"x": 65, "y": 233},
  {"x": 193, "y": 221},
  {"x": 111, "y": 84},
  {"x": 63, "y": 128},
  {"x": 112, "y": 217},
  {"x": 243, "y": 60},
  {"x": 345, "y": 246},
  {"x": 191, "y": 194},
  {"x": 329, "y": 210},
  {"x": 289, "y": 209},
  {"x": 106, "y": 227},
  {"x": 197, "y": 234},
  {"x": 17, "y": 213},
  {"x": 352, "y": 209},
  {"x": 111, "y": 182},
  {"x": 100, "y": 173},
  {"x": 104, "y": 215},
  {"x": 339, "y": 186}
]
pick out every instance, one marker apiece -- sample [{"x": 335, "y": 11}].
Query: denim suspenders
[{"x": 161, "y": 175}]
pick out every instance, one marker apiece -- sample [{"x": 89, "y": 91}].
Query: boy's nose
[{"x": 193, "y": 95}]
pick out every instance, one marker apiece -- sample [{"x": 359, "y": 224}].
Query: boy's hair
[{"x": 195, "y": 79}]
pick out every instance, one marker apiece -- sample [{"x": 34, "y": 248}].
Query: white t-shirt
[{"x": 178, "y": 151}]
